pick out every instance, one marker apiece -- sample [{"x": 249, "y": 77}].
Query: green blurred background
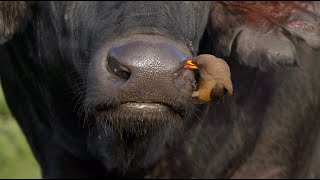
[{"x": 16, "y": 159}]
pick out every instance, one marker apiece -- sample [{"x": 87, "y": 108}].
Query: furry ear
[
  {"x": 263, "y": 34},
  {"x": 13, "y": 16}
]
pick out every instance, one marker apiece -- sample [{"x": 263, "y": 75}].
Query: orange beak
[{"x": 189, "y": 65}]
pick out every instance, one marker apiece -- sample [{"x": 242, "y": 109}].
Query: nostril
[{"x": 114, "y": 67}]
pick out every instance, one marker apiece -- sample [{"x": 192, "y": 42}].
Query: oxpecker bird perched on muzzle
[{"x": 215, "y": 78}]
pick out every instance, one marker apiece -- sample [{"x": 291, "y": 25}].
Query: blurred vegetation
[{"x": 16, "y": 158}]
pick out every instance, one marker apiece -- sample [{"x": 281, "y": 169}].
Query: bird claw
[{"x": 195, "y": 94}]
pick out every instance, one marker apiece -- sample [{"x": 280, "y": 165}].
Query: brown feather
[{"x": 215, "y": 78}]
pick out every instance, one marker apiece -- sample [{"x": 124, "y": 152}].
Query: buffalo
[{"x": 98, "y": 88}]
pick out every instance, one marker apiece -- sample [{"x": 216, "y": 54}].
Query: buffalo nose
[
  {"x": 142, "y": 57},
  {"x": 148, "y": 70}
]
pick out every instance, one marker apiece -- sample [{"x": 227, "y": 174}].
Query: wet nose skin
[
  {"x": 149, "y": 72},
  {"x": 140, "y": 55}
]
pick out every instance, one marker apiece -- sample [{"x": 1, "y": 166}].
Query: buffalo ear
[
  {"x": 257, "y": 35},
  {"x": 13, "y": 17}
]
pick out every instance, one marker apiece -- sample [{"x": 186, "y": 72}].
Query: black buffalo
[{"x": 99, "y": 90}]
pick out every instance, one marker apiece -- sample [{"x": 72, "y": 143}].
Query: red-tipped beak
[{"x": 190, "y": 65}]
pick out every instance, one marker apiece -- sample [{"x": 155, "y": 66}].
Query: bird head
[
  {"x": 199, "y": 62},
  {"x": 189, "y": 64}
]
